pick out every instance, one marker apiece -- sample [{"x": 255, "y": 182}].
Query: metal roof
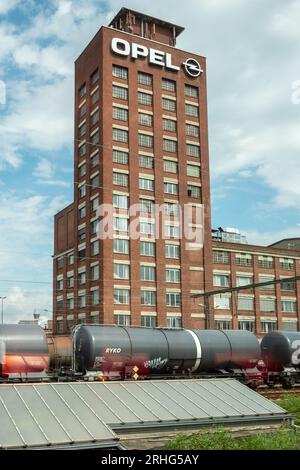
[
  {"x": 50, "y": 415},
  {"x": 87, "y": 413}
]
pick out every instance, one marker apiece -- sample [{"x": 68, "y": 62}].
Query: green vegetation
[
  {"x": 284, "y": 438},
  {"x": 291, "y": 403}
]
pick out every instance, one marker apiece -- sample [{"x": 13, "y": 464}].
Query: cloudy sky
[{"x": 253, "y": 51}]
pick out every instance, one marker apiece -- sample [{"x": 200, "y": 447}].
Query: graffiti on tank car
[
  {"x": 98, "y": 361},
  {"x": 296, "y": 352},
  {"x": 157, "y": 363},
  {"x": 113, "y": 350}
]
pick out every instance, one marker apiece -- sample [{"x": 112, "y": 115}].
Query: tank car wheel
[
  {"x": 287, "y": 384},
  {"x": 253, "y": 385}
]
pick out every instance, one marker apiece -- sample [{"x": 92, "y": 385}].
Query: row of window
[
  {"x": 146, "y": 99},
  {"x": 121, "y": 224},
  {"x": 148, "y": 298},
  {"x": 121, "y": 201},
  {"x": 81, "y": 277},
  {"x": 121, "y": 297},
  {"x": 247, "y": 303},
  {"x": 265, "y": 325},
  {"x": 245, "y": 259},
  {"x": 147, "y": 79},
  {"x": 145, "y": 161},
  {"x": 147, "y": 184},
  {"x": 94, "y": 299},
  {"x": 82, "y": 128},
  {"x": 147, "y": 141},
  {"x": 120, "y": 246},
  {"x": 223, "y": 280},
  {"x": 93, "y": 80},
  {"x": 147, "y": 273},
  {"x": 169, "y": 125},
  {"x": 148, "y": 321}
]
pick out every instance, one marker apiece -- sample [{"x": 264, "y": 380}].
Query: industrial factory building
[{"x": 141, "y": 138}]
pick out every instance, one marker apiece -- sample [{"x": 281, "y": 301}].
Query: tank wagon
[
  {"x": 281, "y": 354},
  {"x": 23, "y": 352},
  {"x": 115, "y": 351},
  {"x": 60, "y": 353}
]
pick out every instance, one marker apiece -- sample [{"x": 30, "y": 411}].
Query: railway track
[{"x": 278, "y": 394}]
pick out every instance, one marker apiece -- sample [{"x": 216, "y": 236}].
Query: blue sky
[{"x": 253, "y": 51}]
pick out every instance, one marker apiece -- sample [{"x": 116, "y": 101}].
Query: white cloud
[
  {"x": 26, "y": 215},
  {"x": 286, "y": 21},
  {"x": 39, "y": 111},
  {"x": 64, "y": 8},
  {"x": 40, "y": 117},
  {"x": 8, "y": 41},
  {"x": 45, "y": 172},
  {"x": 54, "y": 182},
  {"x": 26, "y": 240},
  {"x": 46, "y": 60},
  {"x": 21, "y": 303},
  {"x": 7, "y": 5},
  {"x": 44, "y": 169},
  {"x": 262, "y": 238},
  {"x": 9, "y": 154}
]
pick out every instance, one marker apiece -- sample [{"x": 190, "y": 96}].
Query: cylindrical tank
[
  {"x": 60, "y": 351},
  {"x": 227, "y": 349},
  {"x": 23, "y": 350},
  {"x": 281, "y": 349},
  {"x": 159, "y": 350}
]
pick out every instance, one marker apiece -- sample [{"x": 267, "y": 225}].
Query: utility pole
[
  {"x": 2, "y": 317},
  {"x": 207, "y": 312}
]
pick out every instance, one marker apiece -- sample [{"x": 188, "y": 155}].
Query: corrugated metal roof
[
  {"x": 41, "y": 415},
  {"x": 87, "y": 414}
]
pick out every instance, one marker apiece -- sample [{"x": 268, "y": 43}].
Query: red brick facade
[
  {"x": 98, "y": 71},
  {"x": 271, "y": 307}
]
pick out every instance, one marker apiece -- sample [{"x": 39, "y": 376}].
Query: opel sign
[
  {"x": 192, "y": 67},
  {"x": 154, "y": 56}
]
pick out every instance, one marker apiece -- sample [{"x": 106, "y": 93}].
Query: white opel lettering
[
  {"x": 157, "y": 57},
  {"x": 169, "y": 64},
  {"x": 120, "y": 46},
  {"x": 138, "y": 51}
]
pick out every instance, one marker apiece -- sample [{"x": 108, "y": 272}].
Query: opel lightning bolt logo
[{"x": 192, "y": 67}]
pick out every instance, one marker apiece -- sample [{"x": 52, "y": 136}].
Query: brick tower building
[{"x": 141, "y": 138}]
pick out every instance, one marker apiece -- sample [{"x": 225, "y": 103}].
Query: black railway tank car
[
  {"x": 281, "y": 355},
  {"x": 112, "y": 349},
  {"x": 281, "y": 349},
  {"x": 23, "y": 351}
]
